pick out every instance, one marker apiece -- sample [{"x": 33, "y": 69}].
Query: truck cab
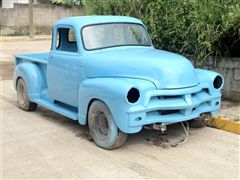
[{"x": 105, "y": 72}]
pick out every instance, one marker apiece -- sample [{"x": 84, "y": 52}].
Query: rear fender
[{"x": 33, "y": 76}]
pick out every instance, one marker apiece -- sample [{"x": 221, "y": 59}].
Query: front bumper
[{"x": 176, "y": 105}]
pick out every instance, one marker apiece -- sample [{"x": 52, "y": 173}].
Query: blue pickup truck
[{"x": 105, "y": 72}]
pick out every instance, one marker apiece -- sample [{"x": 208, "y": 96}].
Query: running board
[{"x": 72, "y": 114}]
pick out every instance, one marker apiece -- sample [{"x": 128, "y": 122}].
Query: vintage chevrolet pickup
[{"x": 104, "y": 71}]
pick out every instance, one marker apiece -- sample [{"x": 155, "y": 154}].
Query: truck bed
[{"x": 34, "y": 57}]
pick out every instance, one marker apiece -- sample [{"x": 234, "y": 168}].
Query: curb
[{"x": 225, "y": 124}]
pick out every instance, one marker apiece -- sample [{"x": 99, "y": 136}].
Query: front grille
[
  {"x": 166, "y": 112},
  {"x": 175, "y": 105},
  {"x": 185, "y": 104}
]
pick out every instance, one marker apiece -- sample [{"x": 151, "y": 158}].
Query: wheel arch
[
  {"x": 88, "y": 107},
  {"x": 33, "y": 77},
  {"x": 103, "y": 89},
  {"x": 112, "y": 92}
]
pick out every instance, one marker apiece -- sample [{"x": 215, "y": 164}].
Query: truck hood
[{"x": 165, "y": 69}]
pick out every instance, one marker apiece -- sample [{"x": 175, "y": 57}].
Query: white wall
[
  {"x": 7, "y": 3},
  {"x": 10, "y": 3}
]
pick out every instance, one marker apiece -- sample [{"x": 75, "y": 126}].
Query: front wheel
[
  {"x": 22, "y": 97},
  {"x": 102, "y": 127}
]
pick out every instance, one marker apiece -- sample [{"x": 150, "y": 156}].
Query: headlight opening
[
  {"x": 133, "y": 95},
  {"x": 218, "y": 82}
]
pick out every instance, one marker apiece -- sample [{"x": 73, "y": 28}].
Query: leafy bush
[
  {"x": 189, "y": 27},
  {"x": 67, "y": 2}
]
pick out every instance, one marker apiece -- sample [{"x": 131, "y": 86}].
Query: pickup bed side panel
[{"x": 34, "y": 76}]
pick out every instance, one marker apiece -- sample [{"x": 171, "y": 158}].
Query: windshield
[{"x": 115, "y": 34}]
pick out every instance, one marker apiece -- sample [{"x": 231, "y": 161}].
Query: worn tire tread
[
  {"x": 28, "y": 105},
  {"x": 118, "y": 138}
]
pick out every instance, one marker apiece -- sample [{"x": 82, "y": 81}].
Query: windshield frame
[{"x": 121, "y": 45}]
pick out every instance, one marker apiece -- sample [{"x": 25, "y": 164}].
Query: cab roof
[{"x": 80, "y": 21}]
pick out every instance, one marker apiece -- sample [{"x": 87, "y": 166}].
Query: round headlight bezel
[
  {"x": 218, "y": 82},
  {"x": 133, "y": 95}
]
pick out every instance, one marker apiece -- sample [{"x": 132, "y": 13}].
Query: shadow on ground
[{"x": 172, "y": 135}]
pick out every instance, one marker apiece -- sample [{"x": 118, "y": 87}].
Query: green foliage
[
  {"x": 17, "y": 33},
  {"x": 189, "y": 27},
  {"x": 67, "y": 2}
]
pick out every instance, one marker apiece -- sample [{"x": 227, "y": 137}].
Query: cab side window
[{"x": 66, "y": 40}]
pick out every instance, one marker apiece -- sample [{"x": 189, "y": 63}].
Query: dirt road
[
  {"x": 9, "y": 48},
  {"x": 43, "y": 144}
]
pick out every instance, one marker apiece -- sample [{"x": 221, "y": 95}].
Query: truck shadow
[{"x": 173, "y": 134}]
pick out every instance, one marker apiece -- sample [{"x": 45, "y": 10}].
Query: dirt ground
[
  {"x": 9, "y": 48},
  {"x": 230, "y": 110},
  {"x": 43, "y": 144},
  {"x": 17, "y": 46}
]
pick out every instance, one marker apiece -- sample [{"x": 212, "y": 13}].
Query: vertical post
[{"x": 31, "y": 30}]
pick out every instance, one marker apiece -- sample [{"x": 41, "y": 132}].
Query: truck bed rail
[{"x": 35, "y": 57}]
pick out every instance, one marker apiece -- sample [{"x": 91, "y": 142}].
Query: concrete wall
[
  {"x": 230, "y": 69},
  {"x": 15, "y": 20}
]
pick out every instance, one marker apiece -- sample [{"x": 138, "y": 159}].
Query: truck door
[{"x": 63, "y": 67}]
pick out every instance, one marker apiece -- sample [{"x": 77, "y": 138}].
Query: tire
[
  {"x": 200, "y": 121},
  {"x": 22, "y": 97},
  {"x": 102, "y": 127}
]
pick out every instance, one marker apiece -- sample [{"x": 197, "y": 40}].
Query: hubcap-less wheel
[
  {"x": 102, "y": 127},
  {"x": 22, "y": 96}
]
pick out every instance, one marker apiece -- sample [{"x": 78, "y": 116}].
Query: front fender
[
  {"x": 113, "y": 92},
  {"x": 206, "y": 76},
  {"x": 33, "y": 77}
]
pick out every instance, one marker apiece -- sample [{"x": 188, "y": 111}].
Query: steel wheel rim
[
  {"x": 101, "y": 126},
  {"x": 21, "y": 94}
]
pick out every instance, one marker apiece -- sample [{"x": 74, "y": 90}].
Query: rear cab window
[{"x": 66, "y": 40}]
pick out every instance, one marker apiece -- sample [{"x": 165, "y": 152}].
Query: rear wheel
[
  {"x": 200, "y": 121},
  {"x": 102, "y": 127},
  {"x": 22, "y": 97}
]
